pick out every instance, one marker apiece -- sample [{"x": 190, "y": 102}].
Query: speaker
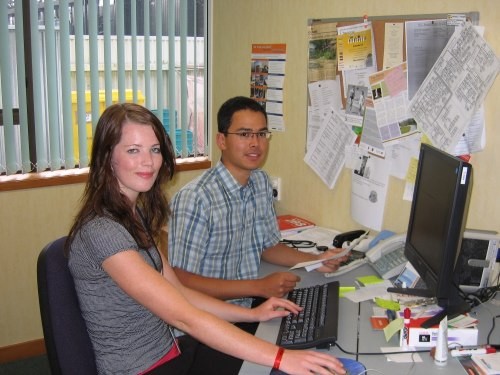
[{"x": 477, "y": 258}]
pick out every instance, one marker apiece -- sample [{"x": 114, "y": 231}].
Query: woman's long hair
[{"x": 102, "y": 196}]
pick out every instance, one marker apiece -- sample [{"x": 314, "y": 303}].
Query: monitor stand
[{"x": 452, "y": 308}]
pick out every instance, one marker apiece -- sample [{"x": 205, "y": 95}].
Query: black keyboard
[{"x": 316, "y": 325}]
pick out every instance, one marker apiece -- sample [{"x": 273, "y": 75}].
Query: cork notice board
[{"x": 323, "y": 57}]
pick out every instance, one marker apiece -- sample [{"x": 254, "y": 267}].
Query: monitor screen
[{"x": 437, "y": 220}]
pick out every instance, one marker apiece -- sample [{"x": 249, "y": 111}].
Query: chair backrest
[{"x": 68, "y": 345}]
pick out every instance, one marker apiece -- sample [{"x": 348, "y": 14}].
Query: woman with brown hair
[{"x": 129, "y": 296}]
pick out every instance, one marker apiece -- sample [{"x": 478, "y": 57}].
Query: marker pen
[
  {"x": 406, "y": 329},
  {"x": 472, "y": 351}
]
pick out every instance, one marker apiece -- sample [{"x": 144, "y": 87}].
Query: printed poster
[{"x": 267, "y": 80}]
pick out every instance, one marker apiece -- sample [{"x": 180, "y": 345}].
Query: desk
[{"x": 356, "y": 335}]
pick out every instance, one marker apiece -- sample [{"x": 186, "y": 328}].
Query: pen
[
  {"x": 472, "y": 351},
  {"x": 390, "y": 315}
]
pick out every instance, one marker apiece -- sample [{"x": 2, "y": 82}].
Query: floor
[{"x": 30, "y": 366}]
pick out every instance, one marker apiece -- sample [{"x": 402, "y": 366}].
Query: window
[{"x": 79, "y": 56}]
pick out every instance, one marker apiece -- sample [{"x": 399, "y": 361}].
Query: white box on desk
[{"x": 427, "y": 337}]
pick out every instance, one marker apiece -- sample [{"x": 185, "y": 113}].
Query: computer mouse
[{"x": 351, "y": 366}]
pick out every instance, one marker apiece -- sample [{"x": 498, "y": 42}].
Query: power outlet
[{"x": 276, "y": 184}]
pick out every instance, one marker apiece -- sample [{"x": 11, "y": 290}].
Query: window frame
[
  {"x": 76, "y": 176},
  {"x": 35, "y": 179}
]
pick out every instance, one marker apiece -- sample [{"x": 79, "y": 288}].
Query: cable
[
  {"x": 481, "y": 295},
  {"x": 380, "y": 353},
  {"x": 371, "y": 370},
  {"x": 492, "y": 329},
  {"x": 412, "y": 352}
]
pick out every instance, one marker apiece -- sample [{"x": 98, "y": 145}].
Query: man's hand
[
  {"x": 334, "y": 264},
  {"x": 277, "y": 284}
]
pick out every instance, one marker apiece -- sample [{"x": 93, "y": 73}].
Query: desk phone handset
[
  {"x": 387, "y": 257},
  {"x": 340, "y": 239}
]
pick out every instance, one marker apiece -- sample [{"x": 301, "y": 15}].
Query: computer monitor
[{"x": 437, "y": 221}]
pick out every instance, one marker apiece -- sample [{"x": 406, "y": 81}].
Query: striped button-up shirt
[{"x": 219, "y": 228}]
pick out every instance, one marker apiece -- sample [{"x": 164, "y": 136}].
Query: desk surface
[{"x": 356, "y": 335}]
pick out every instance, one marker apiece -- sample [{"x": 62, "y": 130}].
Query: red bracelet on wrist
[{"x": 277, "y": 360}]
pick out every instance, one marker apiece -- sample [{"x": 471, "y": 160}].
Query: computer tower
[{"x": 477, "y": 258}]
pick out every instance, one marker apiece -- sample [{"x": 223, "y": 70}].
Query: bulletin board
[
  {"x": 329, "y": 64},
  {"x": 394, "y": 102}
]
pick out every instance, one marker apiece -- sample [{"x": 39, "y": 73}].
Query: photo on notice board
[
  {"x": 322, "y": 51},
  {"x": 356, "y": 96}
]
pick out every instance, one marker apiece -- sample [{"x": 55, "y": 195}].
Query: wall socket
[{"x": 276, "y": 184}]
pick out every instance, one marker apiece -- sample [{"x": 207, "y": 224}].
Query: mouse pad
[{"x": 351, "y": 366}]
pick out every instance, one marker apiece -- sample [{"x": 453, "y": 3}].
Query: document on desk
[
  {"x": 410, "y": 357},
  {"x": 369, "y": 292},
  {"x": 312, "y": 265}
]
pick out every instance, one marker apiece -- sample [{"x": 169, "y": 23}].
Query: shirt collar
[{"x": 230, "y": 182}]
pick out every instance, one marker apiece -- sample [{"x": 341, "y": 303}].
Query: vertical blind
[{"x": 70, "y": 59}]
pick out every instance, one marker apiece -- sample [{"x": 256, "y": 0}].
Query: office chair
[{"x": 68, "y": 345}]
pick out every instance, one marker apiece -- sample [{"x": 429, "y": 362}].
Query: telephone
[
  {"x": 339, "y": 239},
  {"x": 386, "y": 257}
]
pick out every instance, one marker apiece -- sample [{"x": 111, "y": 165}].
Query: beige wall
[
  {"x": 31, "y": 218},
  {"x": 239, "y": 23}
]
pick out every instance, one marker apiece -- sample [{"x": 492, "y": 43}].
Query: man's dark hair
[{"x": 238, "y": 103}]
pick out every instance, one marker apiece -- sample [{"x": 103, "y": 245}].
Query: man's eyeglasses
[{"x": 265, "y": 134}]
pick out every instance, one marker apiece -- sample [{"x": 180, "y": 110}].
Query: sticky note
[
  {"x": 346, "y": 289},
  {"x": 387, "y": 304},
  {"x": 393, "y": 327},
  {"x": 370, "y": 279}
]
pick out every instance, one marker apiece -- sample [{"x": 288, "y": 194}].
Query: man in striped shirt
[{"x": 223, "y": 222}]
